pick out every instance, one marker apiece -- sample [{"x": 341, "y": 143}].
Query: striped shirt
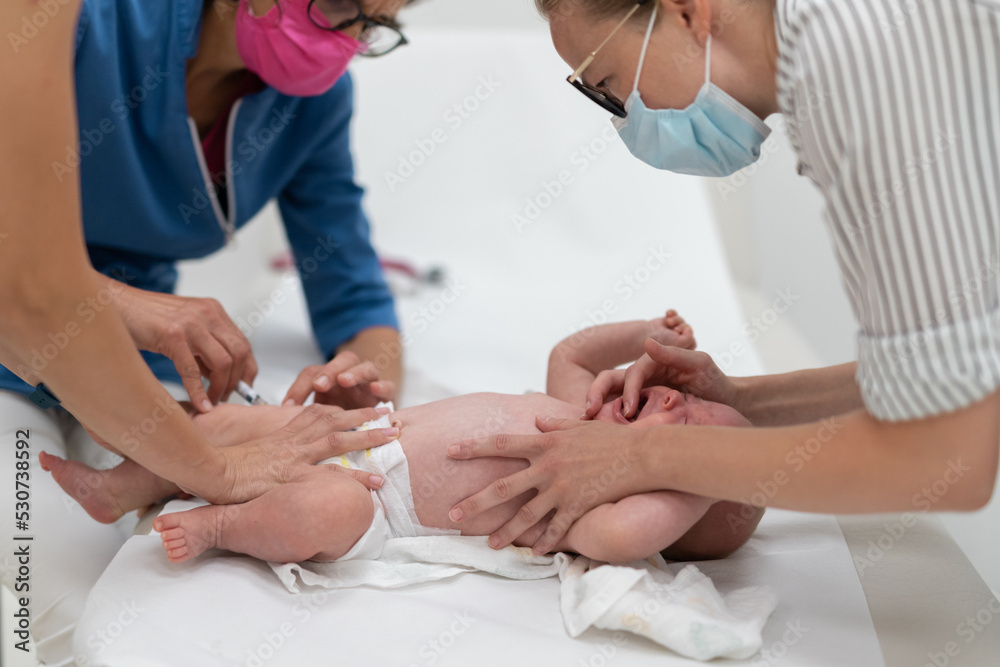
[{"x": 893, "y": 108}]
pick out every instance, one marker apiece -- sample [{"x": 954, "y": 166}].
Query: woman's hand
[
  {"x": 318, "y": 433},
  {"x": 196, "y": 334},
  {"x": 663, "y": 365},
  {"x": 575, "y": 466},
  {"x": 346, "y": 381}
]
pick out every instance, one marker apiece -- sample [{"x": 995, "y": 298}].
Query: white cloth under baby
[{"x": 683, "y": 612}]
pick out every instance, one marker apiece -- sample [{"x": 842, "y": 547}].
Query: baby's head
[{"x": 660, "y": 405}]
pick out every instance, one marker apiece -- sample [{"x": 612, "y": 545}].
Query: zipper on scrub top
[
  {"x": 230, "y": 228},
  {"x": 227, "y": 224}
]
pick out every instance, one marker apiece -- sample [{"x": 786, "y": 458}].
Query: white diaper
[{"x": 395, "y": 513}]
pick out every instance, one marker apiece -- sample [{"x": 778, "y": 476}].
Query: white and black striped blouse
[{"x": 893, "y": 107}]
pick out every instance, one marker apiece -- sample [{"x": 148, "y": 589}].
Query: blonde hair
[{"x": 554, "y": 10}]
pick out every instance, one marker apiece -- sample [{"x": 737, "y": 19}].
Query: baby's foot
[
  {"x": 685, "y": 334},
  {"x": 187, "y": 535},
  {"x": 89, "y": 487}
]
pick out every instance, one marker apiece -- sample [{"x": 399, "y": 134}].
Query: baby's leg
[
  {"x": 319, "y": 516},
  {"x": 635, "y": 527},
  {"x": 685, "y": 334},
  {"x": 107, "y": 495}
]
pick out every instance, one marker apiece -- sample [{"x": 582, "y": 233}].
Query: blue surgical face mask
[{"x": 715, "y": 136}]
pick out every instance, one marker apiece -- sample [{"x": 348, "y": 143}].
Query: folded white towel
[{"x": 684, "y": 613}]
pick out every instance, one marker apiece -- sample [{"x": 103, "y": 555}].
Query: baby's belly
[{"x": 439, "y": 482}]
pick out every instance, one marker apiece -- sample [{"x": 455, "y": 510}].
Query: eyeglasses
[
  {"x": 606, "y": 100},
  {"x": 379, "y": 35}
]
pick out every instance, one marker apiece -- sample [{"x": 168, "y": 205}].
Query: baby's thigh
[
  {"x": 321, "y": 490},
  {"x": 328, "y": 502}
]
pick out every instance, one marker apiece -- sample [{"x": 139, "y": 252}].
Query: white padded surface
[{"x": 222, "y": 610}]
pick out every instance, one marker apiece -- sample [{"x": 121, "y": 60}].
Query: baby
[{"x": 325, "y": 517}]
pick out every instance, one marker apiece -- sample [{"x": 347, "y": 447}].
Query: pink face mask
[{"x": 288, "y": 52}]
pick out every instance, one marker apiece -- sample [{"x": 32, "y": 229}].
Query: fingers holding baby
[
  {"x": 670, "y": 332},
  {"x": 345, "y": 381}
]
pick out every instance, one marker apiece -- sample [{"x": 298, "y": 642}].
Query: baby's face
[{"x": 660, "y": 405}]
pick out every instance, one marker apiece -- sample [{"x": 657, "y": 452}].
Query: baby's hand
[{"x": 671, "y": 329}]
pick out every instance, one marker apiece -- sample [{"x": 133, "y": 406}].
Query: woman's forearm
[
  {"x": 846, "y": 464},
  {"x": 56, "y": 327},
  {"x": 87, "y": 359},
  {"x": 383, "y": 347},
  {"x": 799, "y": 397}
]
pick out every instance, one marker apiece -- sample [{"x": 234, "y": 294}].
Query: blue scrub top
[{"x": 147, "y": 196}]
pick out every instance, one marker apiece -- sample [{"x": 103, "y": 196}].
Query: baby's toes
[
  {"x": 673, "y": 320},
  {"x": 686, "y": 337},
  {"x": 50, "y": 463},
  {"x": 172, "y": 534},
  {"x": 178, "y": 554},
  {"x": 175, "y": 543},
  {"x": 175, "y": 548}
]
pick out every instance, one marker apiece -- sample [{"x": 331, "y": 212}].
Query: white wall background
[{"x": 474, "y": 15}]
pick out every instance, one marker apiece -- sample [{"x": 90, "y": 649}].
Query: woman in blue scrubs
[
  {"x": 191, "y": 115},
  {"x": 181, "y": 145}
]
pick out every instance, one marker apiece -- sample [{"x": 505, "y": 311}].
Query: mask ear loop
[
  {"x": 708, "y": 59},
  {"x": 645, "y": 46}
]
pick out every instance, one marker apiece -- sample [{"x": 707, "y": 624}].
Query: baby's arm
[
  {"x": 635, "y": 527},
  {"x": 576, "y": 361}
]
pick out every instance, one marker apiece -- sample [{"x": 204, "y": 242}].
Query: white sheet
[
  {"x": 222, "y": 611},
  {"x": 683, "y": 612},
  {"x": 518, "y": 294}
]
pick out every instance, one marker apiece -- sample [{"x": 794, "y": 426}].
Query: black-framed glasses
[
  {"x": 604, "y": 99},
  {"x": 379, "y": 35}
]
